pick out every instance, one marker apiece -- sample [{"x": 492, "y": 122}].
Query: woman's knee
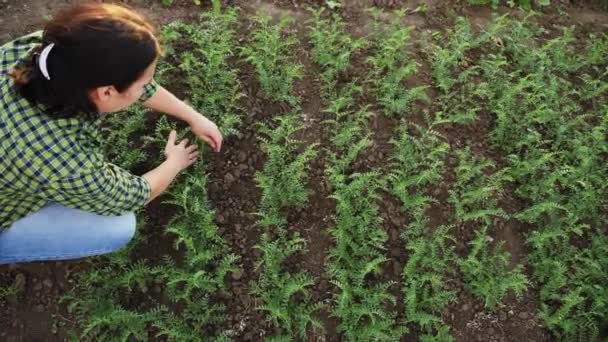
[{"x": 120, "y": 230}]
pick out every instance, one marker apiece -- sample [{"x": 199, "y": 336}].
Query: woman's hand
[
  {"x": 181, "y": 155},
  {"x": 206, "y": 130}
]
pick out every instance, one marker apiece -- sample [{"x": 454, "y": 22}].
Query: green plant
[
  {"x": 271, "y": 53},
  {"x": 526, "y": 4},
  {"x": 474, "y": 194},
  {"x": 332, "y": 46},
  {"x": 283, "y": 178},
  {"x": 213, "y": 85},
  {"x": 425, "y": 276},
  {"x": 277, "y": 288},
  {"x": 487, "y": 274},
  {"x": 391, "y": 65},
  {"x": 419, "y": 162},
  {"x": 284, "y": 295},
  {"x": 357, "y": 257}
]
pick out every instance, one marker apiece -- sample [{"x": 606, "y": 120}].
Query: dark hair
[{"x": 95, "y": 45}]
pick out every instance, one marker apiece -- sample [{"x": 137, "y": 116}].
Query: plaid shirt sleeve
[{"x": 108, "y": 190}]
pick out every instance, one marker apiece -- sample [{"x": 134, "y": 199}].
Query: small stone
[
  {"x": 502, "y": 316},
  {"x": 242, "y": 156},
  {"x": 228, "y": 178},
  {"x": 39, "y": 308},
  {"x": 238, "y": 227},
  {"x": 19, "y": 282},
  {"x": 47, "y": 282},
  {"x": 220, "y": 218},
  {"x": 238, "y": 274},
  {"x": 523, "y": 315},
  {"x": 245, "y": 299},
  {"x": 465, "y": 307}
]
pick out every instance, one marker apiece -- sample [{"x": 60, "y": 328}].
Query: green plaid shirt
[{"x": 55, "y": 160}]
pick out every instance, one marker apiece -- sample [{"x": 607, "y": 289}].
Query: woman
[{"x": 59, "y": 199}]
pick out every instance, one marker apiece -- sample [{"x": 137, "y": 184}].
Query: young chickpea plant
[
  {"x": 551, "y": 124},
  {"x": 119, "y": 130},
  {"x": 283, "y": 178},
  {"x": 333, "y": 47},
  {"x": 282, "y": 181},
  {"x": 474, "y": 193},
  {"x": 419, "y": 161},
  {"x": 270, "y": 51},
  {"x": 358, "y": 255},
  {"x": 213, "y": 86},
  {"x": 391, "y": 65},
  {"x": 486, "y": 272}
]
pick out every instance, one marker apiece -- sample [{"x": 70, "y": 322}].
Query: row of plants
[
  {"x": 172, "y": 296},
  {"x": 419, "y": 162},
  {"x": 548, "y": 97},
  {"x": 362, "y": 296},
  {"x": 283, "y": 294},
  {"x": 486, "y": 270}
]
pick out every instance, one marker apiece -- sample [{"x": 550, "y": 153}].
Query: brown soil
[{"x": 38, "y": 315}]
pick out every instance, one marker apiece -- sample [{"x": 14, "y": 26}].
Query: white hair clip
[{"x": 44, "y": 55}]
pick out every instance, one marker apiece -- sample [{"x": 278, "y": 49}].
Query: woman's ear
[{"x": 103, "y": 97}]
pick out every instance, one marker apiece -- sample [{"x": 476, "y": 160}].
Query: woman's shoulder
[{"x": 17, "y": 50}]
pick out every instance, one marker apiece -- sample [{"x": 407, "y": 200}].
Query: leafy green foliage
[
  {"x": 213, "y": 85},
  {"x": 486, "y": 271},
  {"x": 278, "y": 289},
  {"x": 119, "y": 131},
  {"x": 547, "y": 97},
  {"x": 526, "y": 4},
  {"x": 430, "y": 263},
  {"x": 271, "y": 53},
  {"x": 283, "y": 178},
  {"x": 358, "y": 255},
  {"x": 419, "y": 162},
  {"x": 391, "y": 65},
  {"x": 474, "y": 194},
  {"x": 284, "y": 295},
  {"x": 332, "y": 46}
]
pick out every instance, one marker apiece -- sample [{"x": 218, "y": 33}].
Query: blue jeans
[{"x": 59, "y": 233}]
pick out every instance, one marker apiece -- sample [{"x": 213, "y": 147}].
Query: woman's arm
[
  {"x": 179, "y": 157},
  {"x": 205, "y": 129}
]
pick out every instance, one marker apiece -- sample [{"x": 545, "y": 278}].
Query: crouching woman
[{"x": 59, "y": 198}]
